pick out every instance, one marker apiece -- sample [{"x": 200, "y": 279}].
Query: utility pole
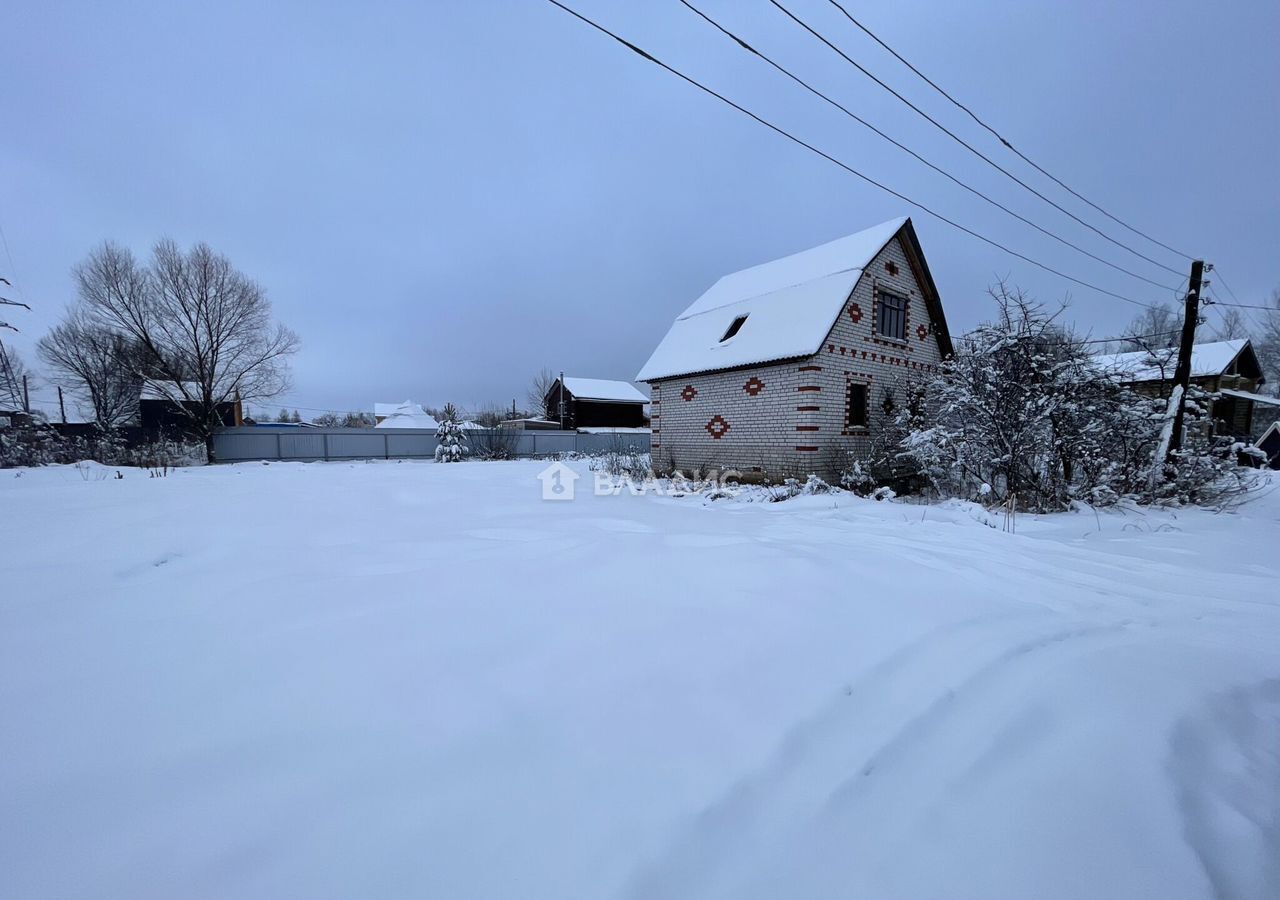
[
  {"x": 62, "y": 407},
  {"x": 1182, "y": 374},
  {"x": 26, "y": 396},
  {"x": 560, "y": 394}
]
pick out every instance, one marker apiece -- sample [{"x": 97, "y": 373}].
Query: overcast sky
[{"x": 443, "y": 197}]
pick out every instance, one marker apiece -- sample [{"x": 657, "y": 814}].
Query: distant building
[
  {"x": 1229, "y": 369},
  {"x": 581, "y": 403},
  {"x": 161, "y": 411},
  {"x": 1269, "y": 444},
  {"x": 403, "y": 415},
  {"x": 530, "y": 423}
]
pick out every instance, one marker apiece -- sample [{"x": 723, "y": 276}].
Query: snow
[
  {"x": 1262, "y": 399},
  {"x": 790, "y": 305},
  {"x": 1206, "y": 360},
  {"x": 368, "y": 687},
  {"x": 602, "y": 389},
  {"x": 404, "y": 415}
]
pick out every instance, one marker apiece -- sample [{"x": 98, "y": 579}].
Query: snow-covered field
[{"x": 420, "y": 680}]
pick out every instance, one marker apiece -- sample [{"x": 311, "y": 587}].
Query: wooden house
[
  {"x": 595, "y": 403},
  {"x": 1227, "y": 369}
]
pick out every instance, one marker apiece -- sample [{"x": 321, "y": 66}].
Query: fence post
[
  {"x": 279, "y": 452},
  {"x": 326, "y": 446},
  {"x": 386, "y": 445}
]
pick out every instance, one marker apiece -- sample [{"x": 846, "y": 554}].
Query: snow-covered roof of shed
[
  {"x": 603, "y": 389},
  {"x": 1207, "y": 360},
  {"x": 404, "y": 415},
  {"x": 390, "y": 409},
  {"x": 790, "y": 305}
]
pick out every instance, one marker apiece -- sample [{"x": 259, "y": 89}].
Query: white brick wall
[{"x": 785, "y": 419}]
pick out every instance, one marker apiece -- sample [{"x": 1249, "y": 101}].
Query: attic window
[{"x": 734, "y": 327}]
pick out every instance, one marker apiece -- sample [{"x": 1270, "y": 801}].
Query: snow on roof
[
  {"x": 1141, "y": 365},
  {"x": 602, "y": 430},
  {"x": 1261, "y": 399},
  {"x": 789, "y": 306},
  {"x": 602, "y": 389},
  {"x": 390, "y": 409},
  {"x": 404, "y": 415}
]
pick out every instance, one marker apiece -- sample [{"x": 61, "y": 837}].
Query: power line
[
  {"x": 871, "y": 34},
  {"x": 1217, "y": 275},
  {"x": 798, "y": 80},
  {"x": 1247, "y": 305},
  {"x": 975, "y": 151},
  {"x": 852, "y": 171},
  {"x": 1129, "y": 337}
]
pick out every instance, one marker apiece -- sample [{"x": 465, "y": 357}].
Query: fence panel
[{"x": 310, "y": 444}]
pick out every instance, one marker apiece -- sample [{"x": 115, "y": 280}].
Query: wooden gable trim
[{"x": 933, "y": 301}]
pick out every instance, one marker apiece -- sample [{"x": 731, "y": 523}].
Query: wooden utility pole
[
  {"x": 62, "y": 407},
  {"x": 1182, "y": 374},
  {"x": 26, "y": 396}
]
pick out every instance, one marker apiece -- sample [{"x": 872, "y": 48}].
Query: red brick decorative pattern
[
  {"x": 808, "y": 409},
  {"x": 875, "y": 356},
  {"x": 922, "y": 332},
  {"x": 753, "y": 386},
  {"x": 891, "y": 267},
  {"x": 807, "y": 449},
  {"x": 809, "y": 387},
  {"x": 717, "y": 427},
  {"x": 806, "y": 428},
  {"x": 688, "y": 393},
  {"x": 810, "y": 368},
  {"x": 855, "y": 313}
]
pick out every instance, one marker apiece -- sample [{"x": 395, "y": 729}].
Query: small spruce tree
[{"x": 449, "y": 436}]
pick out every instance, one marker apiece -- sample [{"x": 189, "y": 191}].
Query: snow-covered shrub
[
  {"x": 33, "y": 445},
  {"x": 622, "y": 462},
  {"x": 1023, "y": 411},
  {"x": 450, "y": 437},
  {"x": 792, "y": 487}
]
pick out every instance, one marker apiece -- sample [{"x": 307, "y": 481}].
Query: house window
[
  {"x": 891, "y": 316},
  {"x": 855, "y": 405},
  {"x": 734, "y": 327}
]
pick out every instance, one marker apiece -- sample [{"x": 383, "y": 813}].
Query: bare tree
[
  {"x": 1155, "y": 326},
  {"x": 539, "y": 387},
  {"x": 12, "y": 371},
  {"x": 1232, "y": 327},
  {"x": 344, "y": 420},
  {"x": 204, "y": 328},
  {"x": 1267, "y": 345},
  {"x": 100, "y": 367}
]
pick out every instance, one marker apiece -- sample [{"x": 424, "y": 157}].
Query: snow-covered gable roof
[
  {"x": 390, "y": 409},
  {"x": 603, "y": 389},
  {"x": 790, "y": 304},
  {"x": 404, "y": 415},
  {"x": 1207, "y": 360}
]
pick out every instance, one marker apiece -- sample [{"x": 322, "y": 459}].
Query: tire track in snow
[
  {"x": 862, "y": 745},
  {"x": 1224, "y": 760}
]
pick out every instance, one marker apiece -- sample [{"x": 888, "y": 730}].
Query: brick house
[{"x": 778, "y": 369}]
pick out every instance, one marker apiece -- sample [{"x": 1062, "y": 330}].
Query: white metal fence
[{"x": 314, "y": 444}]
